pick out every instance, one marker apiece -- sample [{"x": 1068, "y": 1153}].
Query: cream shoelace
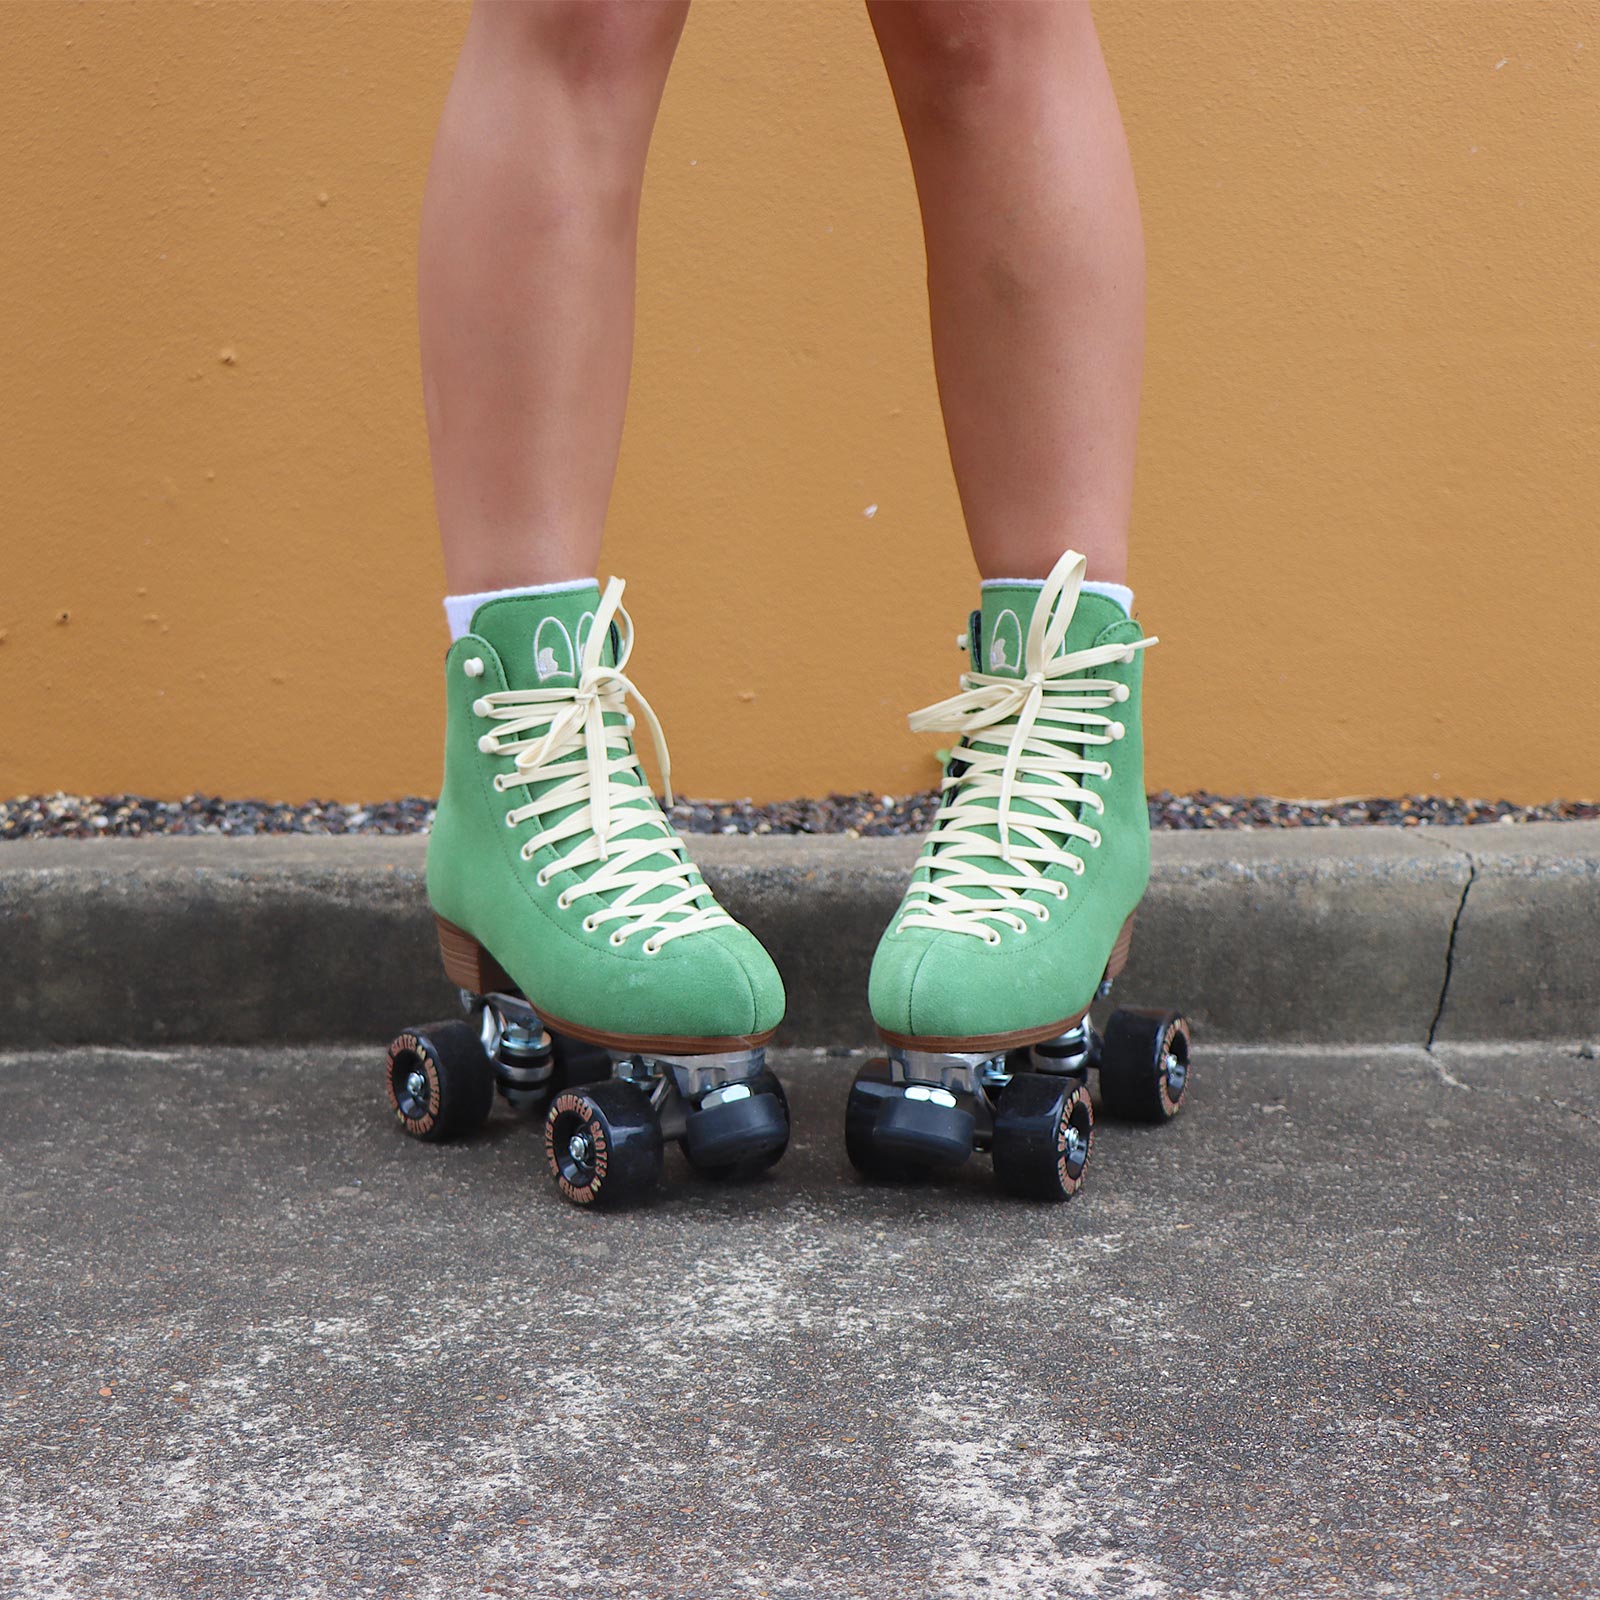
[
  {"x": 975, "y": 885},
  {"x": 564, "y": 735}
]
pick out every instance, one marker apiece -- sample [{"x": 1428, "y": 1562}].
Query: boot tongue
[
  {"x": 1006, "y": 615},
  {"x": 997, "y": 643},
  {"x": 996, "y": 639},
  {"x": 539, "y": 637}
]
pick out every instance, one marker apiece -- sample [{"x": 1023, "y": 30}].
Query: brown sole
[
  {"x": 942, "y": 1044},
  {"x": 469, "y": 966}
]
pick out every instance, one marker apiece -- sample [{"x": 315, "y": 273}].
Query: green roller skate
[
  {"x": 600, "y": 976},
  {"x": 1020, "y": 911}
]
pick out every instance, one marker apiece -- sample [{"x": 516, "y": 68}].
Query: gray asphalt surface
[{"x": 1336, "y": 1332}]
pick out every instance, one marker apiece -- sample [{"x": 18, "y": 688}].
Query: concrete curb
[{"x": 1311, "y": 936}]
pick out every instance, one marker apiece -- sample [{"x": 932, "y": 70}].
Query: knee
[
  {"x": 940, "y": 52},
  {"x": 585, "y": 42}
]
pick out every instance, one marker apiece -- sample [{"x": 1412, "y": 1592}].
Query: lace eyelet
[
  {"x": 1044, "y": 913},
  {"x": 616, "y": 939},
  {"x": 1119, "y": 730},
  {"x": 473, "y": 666},
  {"x": 526, "y": 852},
  {"x": 1122, "y": 692},
  {"x": 486, "y": 745},
  {"x": 991, "y": 937},
  {"x": 650, "y": 948},
  {"x": 588, "y": 925},
  {"x": 1094, "y": 843},
  {"x": 562, "y": 902},
  {"x": 542, "y": 876},
  {"x": 480, "y": 708},
  {"x": 511, "y": 821}
]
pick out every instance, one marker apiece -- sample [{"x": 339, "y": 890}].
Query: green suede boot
[
  {"x": 1021, "y": 905},
  {"x": 570, "y": 914}
]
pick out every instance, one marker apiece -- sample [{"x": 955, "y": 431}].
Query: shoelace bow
[
  {"x": 564, "y": 734},
  {"x": 1058, "y": 712}
]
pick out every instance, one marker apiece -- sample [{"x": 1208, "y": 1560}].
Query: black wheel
[
  {"x": 602, "y": 1143},
  {"x": 1043, "y": 1133},
  {"x": 440, "y": 1083},
  {"x": 738, "y": 1139},
  {"x": 578, "y": 1061},
  {"x": 1144, "y": 1065},
  {"x": 902, "y": 1132}
]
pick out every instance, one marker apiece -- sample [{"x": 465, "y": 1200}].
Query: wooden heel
[
  {"x": 1119, "y": 951},
  {"x": 467, "y": 964}
]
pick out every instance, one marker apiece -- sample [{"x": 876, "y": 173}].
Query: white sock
[
  {"x": 458, "y": 608},
  {"x": 1119, "y": 592}
]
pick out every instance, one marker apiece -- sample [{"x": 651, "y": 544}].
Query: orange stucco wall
[{"x": 1369, "y": 475}]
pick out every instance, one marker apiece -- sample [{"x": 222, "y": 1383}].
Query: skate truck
[
  {"x": 918, "y": 1109},
  {"x": 609, "y": 1109}
]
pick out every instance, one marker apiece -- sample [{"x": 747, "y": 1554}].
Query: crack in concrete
[
  {"x": 1450, "y": 952},
  {"x": 1449, "y": 1079},
  {"x": 1440, "y": 1070},
  {"x": 1450, "y": 944}
]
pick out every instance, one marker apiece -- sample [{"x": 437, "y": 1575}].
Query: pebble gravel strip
[{"x": 126, "y": 816}]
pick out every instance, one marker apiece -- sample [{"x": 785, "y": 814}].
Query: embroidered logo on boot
[
  {"x": 552, "y": 650},
  {"x": 1005, "y": 648}
]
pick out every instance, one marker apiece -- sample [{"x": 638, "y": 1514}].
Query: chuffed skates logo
[
  {"x": 1005, "y": 648},
  {"x": 554, "y": 653}
]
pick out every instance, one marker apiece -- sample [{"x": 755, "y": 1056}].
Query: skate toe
[
  {"x": 716, "y": 984},
  {"x": 930, "y": 983},
  {"x": 738, "y": 985}
]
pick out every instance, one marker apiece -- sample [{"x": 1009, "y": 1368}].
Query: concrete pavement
[{"x": 1335, "y": 1332}]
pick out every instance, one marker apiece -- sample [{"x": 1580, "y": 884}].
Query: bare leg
[
  {"x": 1035, "y": 270},
  {"x": 526, "y": 278}
]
